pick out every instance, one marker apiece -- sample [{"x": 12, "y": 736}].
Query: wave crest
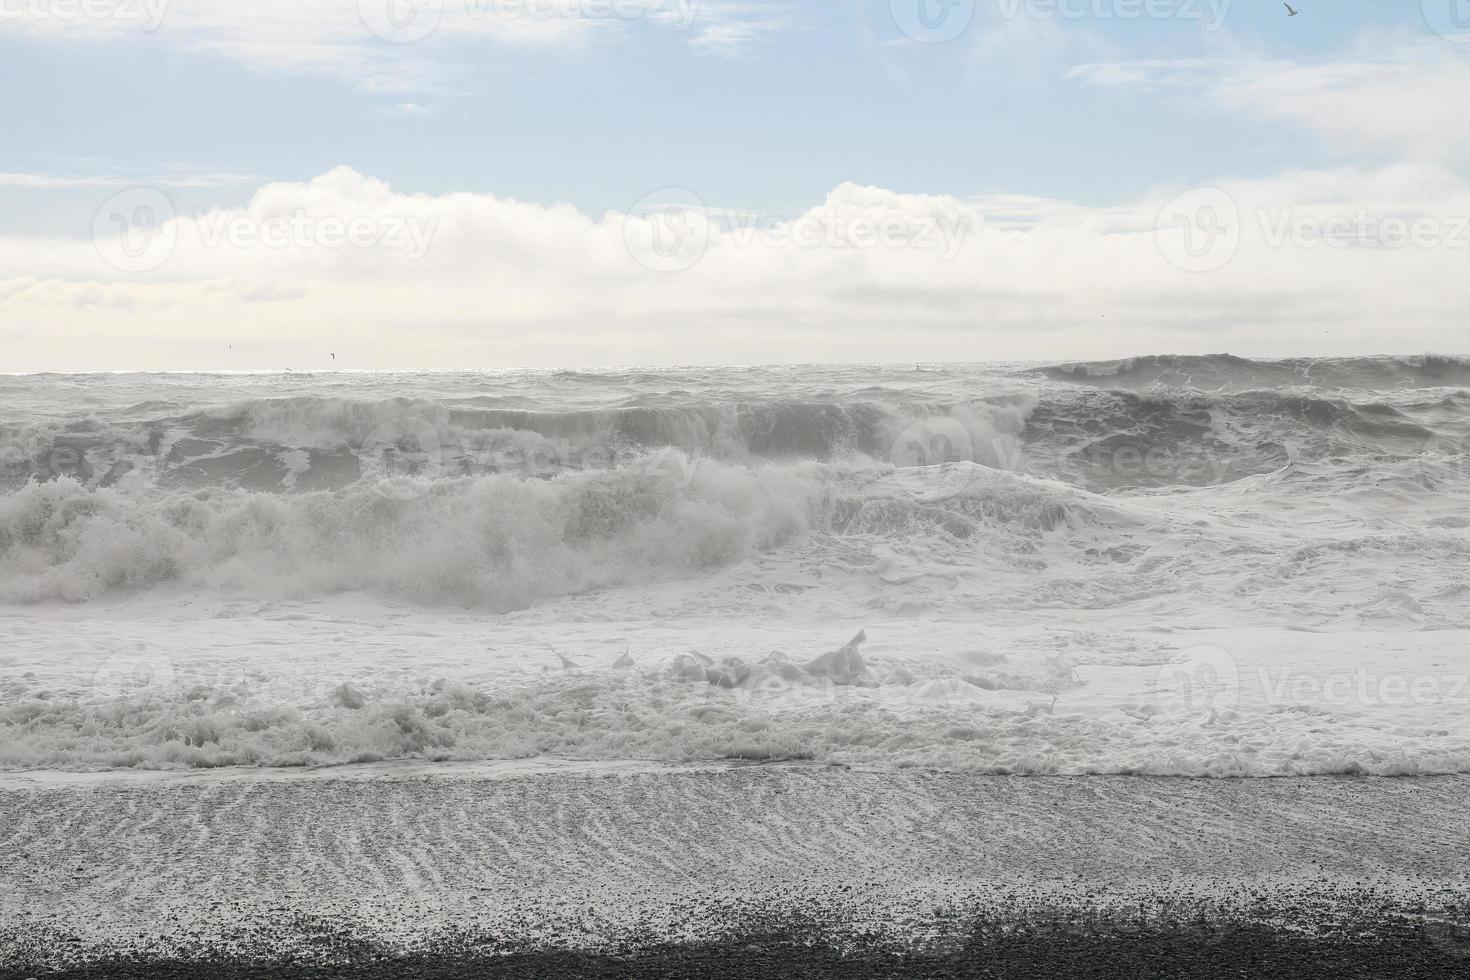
[{"x": 497, "y": 542}]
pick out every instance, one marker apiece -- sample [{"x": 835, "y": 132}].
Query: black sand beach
[
  {"x": 759, "y": 871},
  {"x": 1231, "y": 952}
]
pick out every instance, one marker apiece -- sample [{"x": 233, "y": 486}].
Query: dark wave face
[
  {"x": 1225, "y": 372},
  {"x": 1109, "y": 439}
]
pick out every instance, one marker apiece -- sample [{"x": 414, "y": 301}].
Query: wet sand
[{"x": 733, "y": 871}]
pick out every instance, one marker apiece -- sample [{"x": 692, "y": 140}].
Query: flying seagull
[{"x": 1289, "y": 11}]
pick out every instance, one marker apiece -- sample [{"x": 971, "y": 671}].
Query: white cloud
[
  {"x": 1409, "y": 99},
  {"x": 734, "y": 28},
  {"x": 407, "y": 280},
  {"x": 48, "y": 181},
  {"x": 381, "y": 45}
]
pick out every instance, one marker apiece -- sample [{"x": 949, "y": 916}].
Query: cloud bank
[{"x": 1341, "y": 261}]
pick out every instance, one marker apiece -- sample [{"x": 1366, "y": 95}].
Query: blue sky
[
  {"x": 830, "y": 95},
  {"x": 765, "y": 105}
]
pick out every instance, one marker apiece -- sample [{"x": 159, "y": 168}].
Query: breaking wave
[{"x": 499, "y": 542}]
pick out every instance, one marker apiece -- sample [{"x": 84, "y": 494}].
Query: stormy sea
[{"x": 831, "y": 668}]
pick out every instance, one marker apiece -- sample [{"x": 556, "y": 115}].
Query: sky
[{"x": 214, "y": 184}]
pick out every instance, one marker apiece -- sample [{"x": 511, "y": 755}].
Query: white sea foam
[
  {"x": 495, "y": 541},
  {"x": 311, "y": 683}
]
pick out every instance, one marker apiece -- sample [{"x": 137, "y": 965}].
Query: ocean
[{"x": 1203, "y": 566}]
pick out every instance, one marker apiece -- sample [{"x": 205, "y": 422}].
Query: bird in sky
[{"x": 1289, "y": 11}]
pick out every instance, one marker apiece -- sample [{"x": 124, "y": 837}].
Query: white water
[{"x": 1099, "y": 573}]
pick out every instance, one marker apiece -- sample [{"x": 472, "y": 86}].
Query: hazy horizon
[{"x": 671, "y": 367}]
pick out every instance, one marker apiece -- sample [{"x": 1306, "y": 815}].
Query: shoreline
[{"x": 588, "y": 870}]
